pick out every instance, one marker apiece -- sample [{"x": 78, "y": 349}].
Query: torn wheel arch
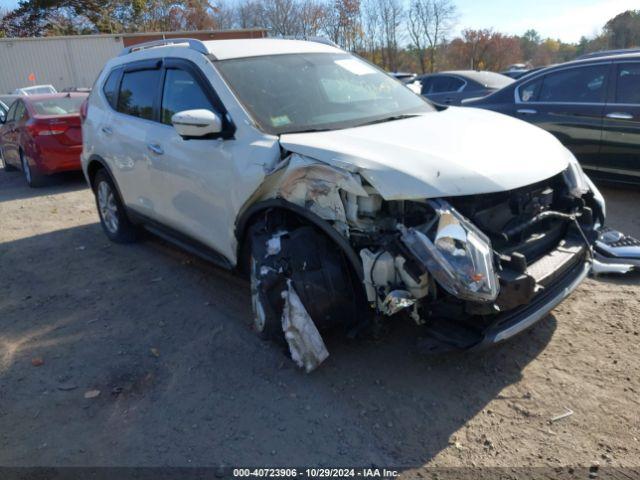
[{"x": 252, "y": 214}]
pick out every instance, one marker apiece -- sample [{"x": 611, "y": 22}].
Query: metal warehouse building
[{"x": 76, "y": 61}]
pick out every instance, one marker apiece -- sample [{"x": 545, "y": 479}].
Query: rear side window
[
  {"x": 182, "y": 92},
  {"x": 628, "y": 84},
  {"x": 110, "y": 88},
  {"x": 137, "y": 92},
  {"x": 445, "y": 84},
  {"x": 575, "y": 85}
]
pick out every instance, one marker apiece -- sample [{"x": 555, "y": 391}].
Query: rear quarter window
[{"x": 110, "y": 88}]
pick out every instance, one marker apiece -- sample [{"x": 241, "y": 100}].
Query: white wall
[{"x": 62, "y": 61}]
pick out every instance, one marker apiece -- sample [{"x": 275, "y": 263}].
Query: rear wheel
[
  {"x": 32, "y": 178},
  {"x": 113, "y": 217}
]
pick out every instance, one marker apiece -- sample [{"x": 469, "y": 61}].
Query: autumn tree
[
  {"x": 623, "y": 31},
  {"x": 428, "y": 24}
]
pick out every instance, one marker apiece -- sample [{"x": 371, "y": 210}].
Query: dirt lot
[{"x": 183, "y": 380}]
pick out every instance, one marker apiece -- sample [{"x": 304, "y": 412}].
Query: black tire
[
  {"x": 319, "y": 274},
  {"x": 267, "y": 309},
  {"x": 33, "y": 178},
  {"x": 113, "y": 217},
  {"x": 6, "y": 166}
]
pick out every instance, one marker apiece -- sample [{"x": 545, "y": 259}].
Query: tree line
[{"x": 398, "y": 35}]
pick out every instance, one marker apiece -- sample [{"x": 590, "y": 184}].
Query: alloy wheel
[
  {"x": 26, "y": 170},
  {"x": 108, "y": 207}
]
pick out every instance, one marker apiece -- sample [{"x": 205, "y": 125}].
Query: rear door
[
  {"x": 620, "y": 154},
  {"x": 568, "y": 103},
  {"x": 133, "y": 162}
]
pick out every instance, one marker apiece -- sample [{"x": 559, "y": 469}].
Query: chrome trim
[
  {"x": 544, "y": 311},
  {"x": 620, "y": 116},
  {"x": 621, "y": 171}
]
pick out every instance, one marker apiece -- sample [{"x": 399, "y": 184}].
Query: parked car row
[
  {"x": 344, "y": 197},
  {"x": 41, "y": 135},
  {"x": 592, "y": 106}
]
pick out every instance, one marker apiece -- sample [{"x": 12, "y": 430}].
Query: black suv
[{"x": 591, "y": 105}]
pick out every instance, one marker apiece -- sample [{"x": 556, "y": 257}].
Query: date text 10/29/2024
[{"x": 314, "y": 473}]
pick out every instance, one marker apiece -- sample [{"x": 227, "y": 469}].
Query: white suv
[{"x": 343, "y": 195}]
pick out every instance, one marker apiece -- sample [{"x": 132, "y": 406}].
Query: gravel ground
[{"x": 183, "y": 381}]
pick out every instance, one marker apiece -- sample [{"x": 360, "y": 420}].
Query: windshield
[
  {"x": 317, "y": 91},
  {"x": 58, "y": 106}
]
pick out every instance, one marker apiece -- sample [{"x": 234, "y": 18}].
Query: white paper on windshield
[{"x": 355, "y": 66}]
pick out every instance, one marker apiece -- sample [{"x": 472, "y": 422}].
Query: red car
[{"x": 41, "y": 135}]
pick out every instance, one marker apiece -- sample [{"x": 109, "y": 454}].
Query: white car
[
  {"x": 35, "y": 90},
  {"x": 344, "y": 196}
]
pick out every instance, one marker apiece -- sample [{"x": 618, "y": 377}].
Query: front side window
[
  {"x": 531, "y": 91},
  {"x": 137, "y": 92},
  {"x": 182, "y": 92},
  {"x": 628, "y": 83},
  {"x": 316, "y": 91},
  {"x": 575, "y": 85}
]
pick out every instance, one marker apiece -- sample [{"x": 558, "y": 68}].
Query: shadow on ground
[
  {"x": 14, "y": 185},
  {"x": 183, "y": 381}
]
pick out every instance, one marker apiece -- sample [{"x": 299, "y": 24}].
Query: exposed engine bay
[{"x": 458, "y": 266}]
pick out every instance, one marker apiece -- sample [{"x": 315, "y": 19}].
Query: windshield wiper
[
  {"x": 390, "y": 119},
  {"x": 309, "y": 130}
]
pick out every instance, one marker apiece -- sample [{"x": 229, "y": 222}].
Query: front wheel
[{"x": 113, "y": 217}]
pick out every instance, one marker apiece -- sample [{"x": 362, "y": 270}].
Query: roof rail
[{"x": 192, "y": 43}]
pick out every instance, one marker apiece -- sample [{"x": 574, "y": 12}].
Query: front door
[
  {"x": 569, "y": 103},
  {"x": 200, "y": 175},
  {"x": 620, "y": 154}
]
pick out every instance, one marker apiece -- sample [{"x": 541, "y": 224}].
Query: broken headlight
[{"x": 459, "y": 257}]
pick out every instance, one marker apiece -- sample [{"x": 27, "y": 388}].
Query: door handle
[
  {"x": 155, "y": 148},
  {"x": 107, "y": 130},
  {"x": 527, "y": 111},
  {"x": 620, "y": 116}
]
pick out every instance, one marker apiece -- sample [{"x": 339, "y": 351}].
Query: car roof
[
  {"x": 257, "y": 47},
  {"x": 599, "y": 59},
  {"x": 608, "y": 53},
  {"x": 483, "y": 77}
]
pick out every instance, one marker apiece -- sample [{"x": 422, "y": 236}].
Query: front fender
[{"x": 245, "y": 220}]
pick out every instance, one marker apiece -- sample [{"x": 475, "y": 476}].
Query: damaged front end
[{"x": 472, "y": 270}]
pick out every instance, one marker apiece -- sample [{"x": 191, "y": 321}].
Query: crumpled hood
[{"x": 458, "y": 151}]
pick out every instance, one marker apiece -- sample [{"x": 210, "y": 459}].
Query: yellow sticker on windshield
[{"x": 280, "y": 121}]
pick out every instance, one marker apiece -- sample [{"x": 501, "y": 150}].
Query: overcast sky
[{"x": 567, "y": 20}]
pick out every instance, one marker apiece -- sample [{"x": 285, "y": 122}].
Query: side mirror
[{"x": 196, "y": 123}]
